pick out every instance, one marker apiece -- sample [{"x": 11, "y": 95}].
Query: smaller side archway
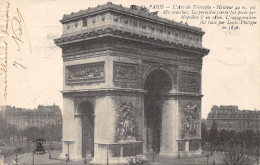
[{"x": 86, "y": 111}]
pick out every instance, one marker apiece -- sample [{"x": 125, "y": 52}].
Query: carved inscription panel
[
  {"x": 85, "y": 73},
  {"x": 189, "y": 82},
  {"x": 125, "y": 72}
]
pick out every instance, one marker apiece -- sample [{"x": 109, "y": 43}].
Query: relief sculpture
[
  {"x": 124, "y": 72},
  {"x": 125, "y": 123},
  {"x": 190, "y": 121},
  {"x": 85, "y": 72}
]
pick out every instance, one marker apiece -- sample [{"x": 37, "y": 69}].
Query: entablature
[
  {"x": 132, "y": 21},
  {"x": 114, "y": 33}
]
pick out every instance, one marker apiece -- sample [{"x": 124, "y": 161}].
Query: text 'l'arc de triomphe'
[{"x": 132, "y": 84}]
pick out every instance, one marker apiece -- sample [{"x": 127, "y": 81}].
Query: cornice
[
  {"x": 103, "y": 91},
  {"x": 117, "y": 33},
  {"x": 180, "y": 94},
  {"x": 127, "y": 11},
  {"x": 112, "y": 91}
]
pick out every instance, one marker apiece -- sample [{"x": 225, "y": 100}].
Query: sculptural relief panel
[
  {"x": 190, "y": 120},
  {"x": 126, "y": 123},
  {"x": 85, "y": 73},
  {"x": 125, "y": 72}
]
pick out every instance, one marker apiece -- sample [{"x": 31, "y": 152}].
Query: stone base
[
  {"x": 123, "y": 149},
  {"x": 169, "y": 154},
  {"x": 114, "y": 160},
  {"x": 190, "y": 153},
  {"x": 116, "y": 152},
  {"x": 181, "y": 154},
  {"x": 111, "y": 160},
  {"x": 72, "y": 157}
]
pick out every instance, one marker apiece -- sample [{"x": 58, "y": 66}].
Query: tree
[
  {"x": 204, "y": 132},
  {"x": 2, "y": 125},
  {"x": 32, "y": 133},
  {"x": 248, "y": 137},
  {"x": 224, "y": 136},
  {"x": 13, "y": 132},
  {"x": 236, "y": 156},
  {"x": 18, "y": 149},
  {"x": 213, "y": 134}
]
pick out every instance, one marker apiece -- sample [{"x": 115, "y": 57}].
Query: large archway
[
  {"x": 86, "y": 110},
  {"x": 157, "y": 84}
]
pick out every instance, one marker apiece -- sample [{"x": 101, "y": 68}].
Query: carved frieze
[
  {"x": 190, "y": 121},
  {"x": 126, "y": 123},
  {"x": 125, "y": 72},
  {"x": 189, "y": 82},
  {"x": 85, "y": 73}
]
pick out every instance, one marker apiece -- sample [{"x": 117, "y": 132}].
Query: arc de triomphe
[{"x": 132, "y": 84}]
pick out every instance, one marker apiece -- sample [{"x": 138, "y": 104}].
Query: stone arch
[
  {"x": 85, "y": 110},
  {"x": 163, "y": 68},
  {"x": 158, "y": 82},
  {"x": 80, "y": 101}
]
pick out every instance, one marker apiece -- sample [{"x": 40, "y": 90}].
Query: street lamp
[
  {"x": 107, "y": 153},
  {"x": 68, "y": 143},
  {"x": 17, "y": 150},
  {"x": 67, "y": 156},
  {"x": 85, "y": 159},
  {"x": 28, "y": 146},
  {"x": 50, "y": 148},
  {"x": 208, "y": 155}
]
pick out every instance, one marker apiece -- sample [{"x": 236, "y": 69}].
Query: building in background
[
  {"x": 231, "y": 118},
  {"x": 22, "y": 118}
]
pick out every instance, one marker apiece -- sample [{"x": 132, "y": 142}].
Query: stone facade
[
  {"x": 23, "y": 118},
  {"x": 231, "y": 118},
  {"x": 132, "y": 69}
]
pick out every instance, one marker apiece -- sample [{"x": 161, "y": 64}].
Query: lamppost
[
  {"x": 257, "y": 154},
  {"x": 28, "y": 146},
  {"x": 85, "y": 158},
  {"x": 33, "y": 157},
  {"x": 17, "y": 150},
  {"x": 67, "y": 156},
  {"x": 50, "y": 148},
  {"x": 107, "y": 153},
  {"x": 68, "y": 143},
  {"x": 208, "y": 155}
]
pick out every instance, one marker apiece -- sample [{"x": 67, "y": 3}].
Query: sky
[{"x": 230, "y": 73}]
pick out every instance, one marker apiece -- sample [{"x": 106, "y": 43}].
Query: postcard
[{"x": 129, "y": 82}]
